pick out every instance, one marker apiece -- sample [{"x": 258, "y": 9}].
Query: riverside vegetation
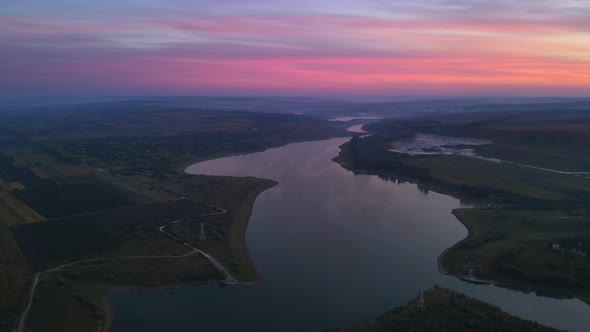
[{"x": 533, "y": 230}]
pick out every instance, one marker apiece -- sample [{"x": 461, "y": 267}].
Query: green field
[
  {"x": 60, "y": 240},
  {"x": 511, "y": 182},
  {"x": 15, "y": 212},
  {"x": 547, "y": 155},
  {"x": 556, "y": 145},
  {"x": 514, "y": 247},
  {"x": 84, "y": 194}
]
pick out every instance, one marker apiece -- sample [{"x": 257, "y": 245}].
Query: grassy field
[
  {"x": 11, "y": 186},
  {"x": 86, "y": 194},
  {"x": 15, "y": 280},
  {"x": 57, "y": 241},
  {"x": 504, "y": 180},
  {"x": 139, "y": 193},
  {"x": 49, "y": 243},
  {"x": 515, "y": 247},
  {"x": 15, "y": 212},
  {"x": 59, "y": 307},
  {"x": 569, "y": 157},
  {"x": 446, "y": 310}
]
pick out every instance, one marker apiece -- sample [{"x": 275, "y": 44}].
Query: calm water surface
[{"x": 331, "y": 249}]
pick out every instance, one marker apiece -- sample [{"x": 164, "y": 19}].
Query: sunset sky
[{"x": 303, "y": 47}]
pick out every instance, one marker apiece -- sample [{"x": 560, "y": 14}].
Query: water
[
  {"x": 350, "y": 118},
  {"x": 331, "y": 249},
  {"x": 357, "y": 129},
  {"x": 424, "y": 144}
]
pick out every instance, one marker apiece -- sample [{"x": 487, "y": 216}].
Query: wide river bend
[{"x": 331, "y": 249}]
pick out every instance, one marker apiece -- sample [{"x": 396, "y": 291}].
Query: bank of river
[{"x": 331, "y": 249}]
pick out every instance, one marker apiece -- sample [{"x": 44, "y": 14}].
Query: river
[{"x": 331, "y": 249}]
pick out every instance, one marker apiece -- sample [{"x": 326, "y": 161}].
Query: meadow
[{"x": 510, "y": 183}]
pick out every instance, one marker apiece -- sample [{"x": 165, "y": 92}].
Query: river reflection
[{"x": 331, "y": 248}]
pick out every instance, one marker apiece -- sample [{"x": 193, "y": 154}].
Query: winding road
[
  {"x": 229, "y": 278},
  {"x": 583, "y": 174}
]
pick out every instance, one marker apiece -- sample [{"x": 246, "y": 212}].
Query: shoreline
[
  {"x": 181, "y": 166},
  {"x": 469, "y": 235},
  {"x": 108, "y": 306},
  {"x": 539, "y": 291},
  {"x": 441, "y": 270},
  {"x": 429, "y": 186},
  {"x": 433, "y": 186},
  {"x": 106, "y": 303}
]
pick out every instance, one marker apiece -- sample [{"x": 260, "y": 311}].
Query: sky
[{"x": 297, "y": 47}]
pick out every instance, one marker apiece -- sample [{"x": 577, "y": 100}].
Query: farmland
[
  {"x": 60, "y": 240},
  {"x": 15, "y": 212},
  {"x": 96, "y": 185},
  {"x": 553, "y": 156},
  {"x": 86, "y": 194},
  {"x": 511, "y": 182}
]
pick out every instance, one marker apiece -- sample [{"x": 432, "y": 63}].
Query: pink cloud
[{"x": 293, "y": 55}]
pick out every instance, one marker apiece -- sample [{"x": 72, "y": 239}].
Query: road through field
[
  {"x": 229, "y": 278},
  {"x": 584, "y": 174}
]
